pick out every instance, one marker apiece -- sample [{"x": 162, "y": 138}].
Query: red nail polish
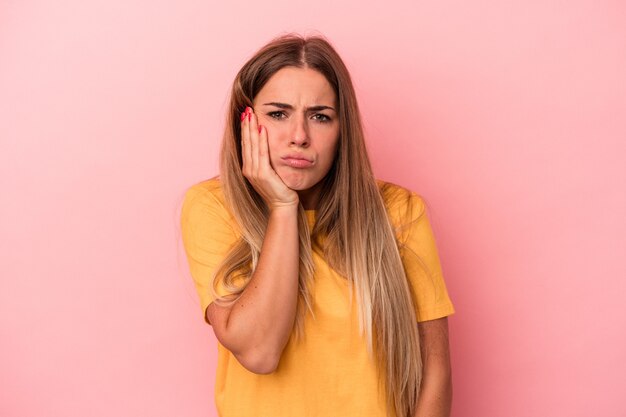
[
  {"x": 248, "y": 109},
  {"x": 243, "y": 115},
  {"x": 260, "y": 128}
]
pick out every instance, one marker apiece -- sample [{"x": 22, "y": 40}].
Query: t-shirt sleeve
[
  {"x": 208, "y": 235},
  {"x": 420, "y": 257}
]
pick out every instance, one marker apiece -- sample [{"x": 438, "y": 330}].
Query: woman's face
[{"x": 298, "y": 106}]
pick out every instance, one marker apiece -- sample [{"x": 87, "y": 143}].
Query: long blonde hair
[{"x": 352, "y": 227}]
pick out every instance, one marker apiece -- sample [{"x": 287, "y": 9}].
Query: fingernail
[
  {"x": 260, "y": 128},
  {"x": 248, "y": 109},
  {"x": 243, "y": 115}
]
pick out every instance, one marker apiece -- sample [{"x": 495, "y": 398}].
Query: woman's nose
[{"x": 300, "y": 135}]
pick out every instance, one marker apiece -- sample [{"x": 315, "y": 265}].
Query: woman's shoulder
[
  {"x": 211, "y": 187},
  {"x": 397, "y": 196},
  {"x": 205, "y": 193},
  {"x": 404, "y": 206}
]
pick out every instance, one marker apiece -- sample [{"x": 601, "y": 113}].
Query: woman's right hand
[{"x": 256, "y": 165}]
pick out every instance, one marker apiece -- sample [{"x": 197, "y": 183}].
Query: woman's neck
[{"x": 310, "y": 198}]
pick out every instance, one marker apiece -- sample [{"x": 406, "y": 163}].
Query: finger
[
  {"x": 265, "y": 163},
  {"x": 245, "y": 147},
  {"x": 254, "y": 142},
  {"x": 264, "y": 152}
]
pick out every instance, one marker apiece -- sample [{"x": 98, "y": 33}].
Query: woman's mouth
[{"x": 295, "y": 161}]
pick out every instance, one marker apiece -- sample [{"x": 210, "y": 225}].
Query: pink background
[{"x": 509, "y": 118}]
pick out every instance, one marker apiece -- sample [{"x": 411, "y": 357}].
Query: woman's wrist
[{"x": 286, "y": 208}]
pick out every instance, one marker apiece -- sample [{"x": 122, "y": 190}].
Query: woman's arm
[
  {"x": 435, "y": 399},
  {"x": 257, "y": 327}
]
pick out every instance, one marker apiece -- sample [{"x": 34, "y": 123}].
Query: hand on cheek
[{"x": 257, "y": 167}]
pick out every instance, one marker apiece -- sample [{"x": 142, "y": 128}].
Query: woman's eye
[
  {"x": 323, "y": 118},
  {"x": 276, "y": 114}
]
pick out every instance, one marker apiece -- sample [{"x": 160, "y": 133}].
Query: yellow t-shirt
[{"x": 330, "y": 373}]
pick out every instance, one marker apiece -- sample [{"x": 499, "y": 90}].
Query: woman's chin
[
  {"x": 295, "y": 182},
  {"x": 295, "y": 185}
]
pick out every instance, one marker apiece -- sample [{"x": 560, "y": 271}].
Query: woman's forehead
[{"x": 298, "y": 87}]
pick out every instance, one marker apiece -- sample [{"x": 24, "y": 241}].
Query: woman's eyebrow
[{"x": 290, "y": 107}]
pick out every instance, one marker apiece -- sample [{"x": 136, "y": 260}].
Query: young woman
[{"x": 322, "y": 284}]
